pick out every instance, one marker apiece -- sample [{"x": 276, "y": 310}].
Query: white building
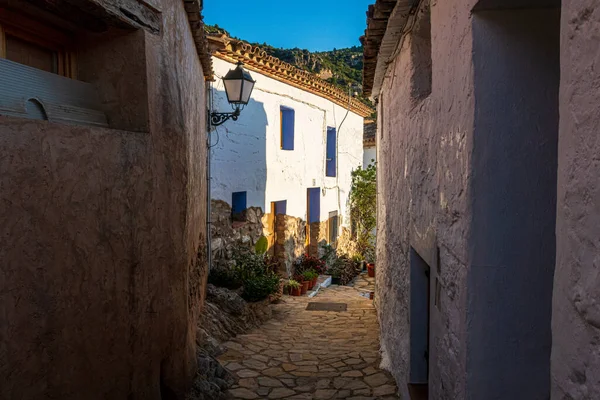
[
  {"x": 370, "y": 144},
  {"x": 295, "y": 144}
]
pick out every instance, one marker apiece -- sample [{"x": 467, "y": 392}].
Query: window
[
  {"x": 330, "y": 165},
  {"x": 280, "y": 207},
  {"x": 35, "y": 44},
  {"x": 287, "y": 128},
  {"x": 238, "y": 205},
  {"x": 333, "y": 224},
  {"x": 421, "y": 53}
]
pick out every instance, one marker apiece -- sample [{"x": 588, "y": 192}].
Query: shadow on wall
[{"x": 239, "y": 161}]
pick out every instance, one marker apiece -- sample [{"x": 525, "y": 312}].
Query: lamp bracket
[{"x": 217, "y": 119}]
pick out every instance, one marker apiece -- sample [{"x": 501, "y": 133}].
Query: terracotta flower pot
[
  {"x": 371, "y": 270},
  {"x": 296, "y": 291},
  {"x": 314, "y": 281},
  {"x": 304, "y": 287},
  {"x": 310, "y": 284}
]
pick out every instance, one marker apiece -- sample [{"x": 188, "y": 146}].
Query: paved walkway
[{"x": 303, "y": 354}]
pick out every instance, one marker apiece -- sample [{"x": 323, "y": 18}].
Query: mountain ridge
[{"x": 340, "y": 67}]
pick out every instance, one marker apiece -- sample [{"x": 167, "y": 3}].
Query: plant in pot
[
  {"x": 336, "y": 274},
  {"x": 307, "y": 263},
  {"x": 371, "y": 270},
  {"x": 303, "y": 283},
  {"x": 315, "y": 277},
  {"x": 295, "y": 287},
  {"x": 310, "y": 277}
]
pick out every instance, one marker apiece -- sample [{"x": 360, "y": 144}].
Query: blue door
[{"x": 314, "y": 205}]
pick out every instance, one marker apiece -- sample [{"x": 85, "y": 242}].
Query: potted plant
[
  {"x": 315, "y": 278},
  {"x": 295, "y": 287},
  {"x": 305, "y": 287},
  {"x": 303, "y": 283},
  {"x": 336, "y": 274},
  {"x": 371, "y": 270},
  {"x": 310, "y": 277}
]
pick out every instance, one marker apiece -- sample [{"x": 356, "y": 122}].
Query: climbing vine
[{"x": 363, "y": 209}]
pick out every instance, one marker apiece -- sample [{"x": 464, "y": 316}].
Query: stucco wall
[
  {"x": 512, "y": 242},
  {"x": 247, "y": 154},
  {"x": 369, "y": 156},
  {"x": 423, "y": 155},
  {"x": 466, "y": 179},
  {"x": 576, "y": 310},
  {"x": 103, "y": 242}
]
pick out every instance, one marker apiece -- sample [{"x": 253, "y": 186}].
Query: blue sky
[{"x": 316, "y": 25}]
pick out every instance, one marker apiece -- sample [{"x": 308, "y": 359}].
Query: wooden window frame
[{"x": 39, "y": 34}]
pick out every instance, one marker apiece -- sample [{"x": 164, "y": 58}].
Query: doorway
[
  {"x": 516, "y": 64},
  {"x": 313, "y": 218},
  {"x": 420, "y": 273}
]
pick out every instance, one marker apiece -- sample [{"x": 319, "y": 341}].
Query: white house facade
[{"x": 294, "y": 146}]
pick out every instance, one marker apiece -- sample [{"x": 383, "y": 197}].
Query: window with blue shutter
[
  {"x": 238, "y": 205},
  {"x": 287, "y": 128},
  {"x": 330, "y": 166}
]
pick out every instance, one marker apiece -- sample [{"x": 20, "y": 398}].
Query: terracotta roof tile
[
  {"x": 254, "y": 58},
  {"x": 193, "y": 9}
]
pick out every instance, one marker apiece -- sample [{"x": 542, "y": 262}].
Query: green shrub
[
  {"x": 260, "y": 287},
  {"x": 224, "y": 277},
  {"x": 261, "y": 246},
  {"x": 257, "y": 275}
]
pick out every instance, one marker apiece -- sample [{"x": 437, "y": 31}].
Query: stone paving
[
  {"x": 303, "y": 354},
  {"x": 364, "y": 284}
]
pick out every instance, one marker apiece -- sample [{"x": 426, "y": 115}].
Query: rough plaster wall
[
  {"x": 423, "y": 157},
  {"x": 512, "y": 243},
  {"x": 369, "y": 156},
  {"x": 177, "y": 93},
  {"x": 100, "y": 283},
  {"x": 247, "y": 146},
  {"x": 576, "y": 299},
  {"x": 115, "y": 63}
]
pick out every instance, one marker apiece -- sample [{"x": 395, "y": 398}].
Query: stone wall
[
  {"x": 346, "y": 244},
  {"x": 576, "y": 300},
  {"x": 290, "y": 242},
  {"x": 286, "y": 235},
  {"x": 228, "y": 236},
  {"x": 103, "y": 239},
  {"x": 318, "y": 236}
]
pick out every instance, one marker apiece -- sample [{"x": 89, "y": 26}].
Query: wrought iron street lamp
[{"x": 238, "y": 87}]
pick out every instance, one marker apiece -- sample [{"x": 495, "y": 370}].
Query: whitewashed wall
[
  {"x": 369, "y": 154},
  {"x": 247, "y": 157}
]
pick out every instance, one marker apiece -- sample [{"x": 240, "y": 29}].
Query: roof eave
[{"x": 385, "y": 47}]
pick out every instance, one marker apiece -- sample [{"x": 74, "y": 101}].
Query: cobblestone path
[{"x": 302, "y": 354}]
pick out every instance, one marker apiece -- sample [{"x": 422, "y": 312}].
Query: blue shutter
[
  {"x": 287, "y": 128},
  {"x": 281, "y": 207},
  {"x": 330, "y": 167},
  {"x": 314, "y": 205},
  {"x": 238, "y": 204}
]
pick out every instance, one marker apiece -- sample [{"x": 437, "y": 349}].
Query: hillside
[{"x": 341, "y": 67}]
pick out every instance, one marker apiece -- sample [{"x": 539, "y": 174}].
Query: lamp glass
[
  {"x": 233, "y": 88},
  {"x": 238, "y": 85}
]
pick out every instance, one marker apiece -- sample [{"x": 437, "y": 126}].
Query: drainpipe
[
  {"x": 337, "y": 156},
  {"x": 208, "y": 177}
]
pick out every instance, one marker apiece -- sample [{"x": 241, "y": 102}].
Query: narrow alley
[{"x": 302, "y": 354}]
